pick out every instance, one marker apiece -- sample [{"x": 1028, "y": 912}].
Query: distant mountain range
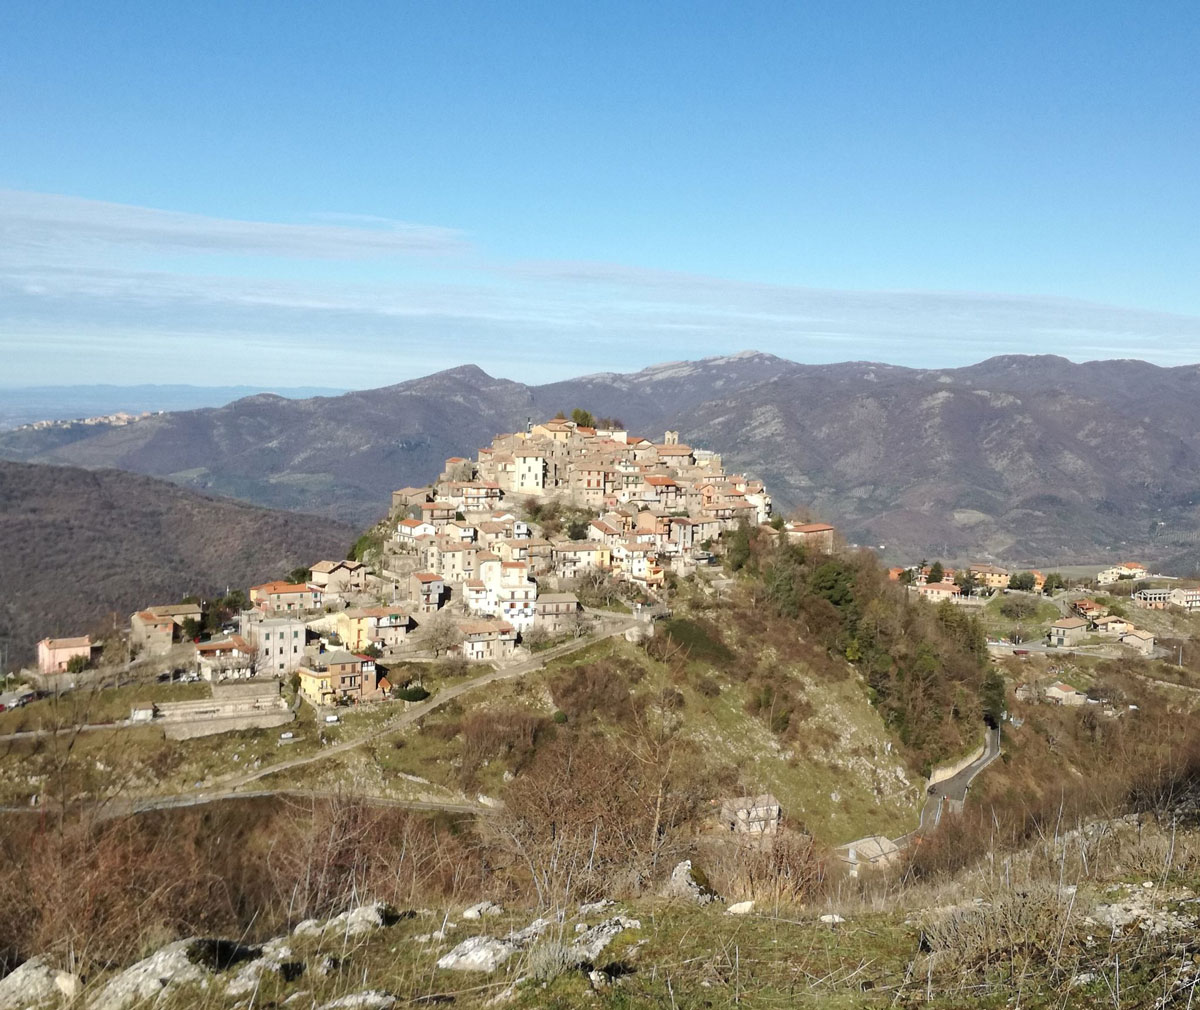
[
  {"x": 78, "y": 546},
  {"x": 29, "y": 404},
  {"x": 1024, "y": 459}
]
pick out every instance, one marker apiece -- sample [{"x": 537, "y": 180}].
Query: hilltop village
[
  {"x": 535, "y": 543},
  {"x": 500, "y": 555}
]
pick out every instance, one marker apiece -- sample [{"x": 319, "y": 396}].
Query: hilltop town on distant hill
[{"x": 481, "y": 564}]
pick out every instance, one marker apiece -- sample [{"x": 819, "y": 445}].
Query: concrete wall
[
  {"x": 949, "y": 771},
  {"x": 189, "y": 729}
]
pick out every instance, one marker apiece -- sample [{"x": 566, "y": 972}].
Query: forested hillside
[{"x": 80, "y": 549}]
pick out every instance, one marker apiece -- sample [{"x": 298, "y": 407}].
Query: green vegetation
[
  {"x": 556, "y": 517},
  {"x": 370, "y": 543},
  {"x": 1018, "y": 618},
  {"x": 1024, "y": 581},
  {"x": 1054, "y": 582},
  {"x": 82, "y": 706}
]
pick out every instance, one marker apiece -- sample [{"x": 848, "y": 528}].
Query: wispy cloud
[
  {"x": 46, "y": 222},
  {"x": 78, "y": 295}
]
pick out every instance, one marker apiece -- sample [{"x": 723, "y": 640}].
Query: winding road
[{"x": 954, "y": 789}]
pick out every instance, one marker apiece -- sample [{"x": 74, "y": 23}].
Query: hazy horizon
[{"x": 251, "y": 196}]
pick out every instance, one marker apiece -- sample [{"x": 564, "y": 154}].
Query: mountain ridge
[{"x": 1032, "y": 459}]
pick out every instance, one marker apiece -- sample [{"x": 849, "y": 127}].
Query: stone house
[
  {"x": 1142, "y": 641},
  {"x": 150, "y": 634},
  {"x": 407, "y": 497},
  {"x": 339, "y": 577},
  {"x": 486, "y": 640},
  {"x": 1064, "y": 694},
  {"x": 557, "y": 612},
  {"x": 752, "y": 815},
  {"x": 812, "y": 536}
]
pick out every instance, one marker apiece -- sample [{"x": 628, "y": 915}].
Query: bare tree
[{"x": 441, "y": 634}]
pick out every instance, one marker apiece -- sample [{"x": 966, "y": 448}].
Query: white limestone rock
[
  {"x": 275, "y": 959},
  {"x": 478, "y": 911},
  {"x": 477, "y": 953},
  {"x": 740, "y": 908},
  {"x": 175, "y": 965},
  {"x": 372, "y": 999},
  {"x": 691, "y": 884},
  {"x": 36, "y": 984},
  {"x": 589, "y": 945}
]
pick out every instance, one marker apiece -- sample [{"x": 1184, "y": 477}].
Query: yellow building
[
  {"x": 315, "y": 685},
  {"x": 360, "y": 627},
  {"x": 991, "y": 576}
]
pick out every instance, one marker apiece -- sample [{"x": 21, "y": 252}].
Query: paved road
[
  {"x": 33, "y": 734},
  {"x": 123, "y": 806},
  {"x": 954, "y": 789}
]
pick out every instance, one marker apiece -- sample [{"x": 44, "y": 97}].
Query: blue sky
[{"x": 357, "y": 193}]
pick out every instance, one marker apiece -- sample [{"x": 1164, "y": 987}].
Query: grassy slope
[{"x": 840, "y": 783}]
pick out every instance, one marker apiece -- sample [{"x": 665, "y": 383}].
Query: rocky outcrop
[
  {"x": 372, "y": 999},
  {"x": 478, "y": 953},
  {"x": 691, "y": 884},
  {"x": 483, "y": 908},
  {"x": 275, "y": 959},
  {"x": 487, "y": 953},
  {"x": 354, "y": 921},
  {"x": 37, "y": 984},
  {"x": 181, "y": 963},
  {"x": 591, "y": 943}
]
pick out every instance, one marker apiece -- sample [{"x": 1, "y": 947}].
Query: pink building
[{"x": 55, "y": 653}]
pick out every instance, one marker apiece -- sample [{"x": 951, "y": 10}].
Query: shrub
[
  {"x": 507, "y": 734},
  {"x": 413, "y": 692},
  {"x": 697, "y": 639},
  {"x": 1017, "y": 608},
  {"x": 560, "y": 717},
  {"x": 596, "y": 690}
]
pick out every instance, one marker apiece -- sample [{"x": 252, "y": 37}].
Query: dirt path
[{"x": 231, "y": 786}]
